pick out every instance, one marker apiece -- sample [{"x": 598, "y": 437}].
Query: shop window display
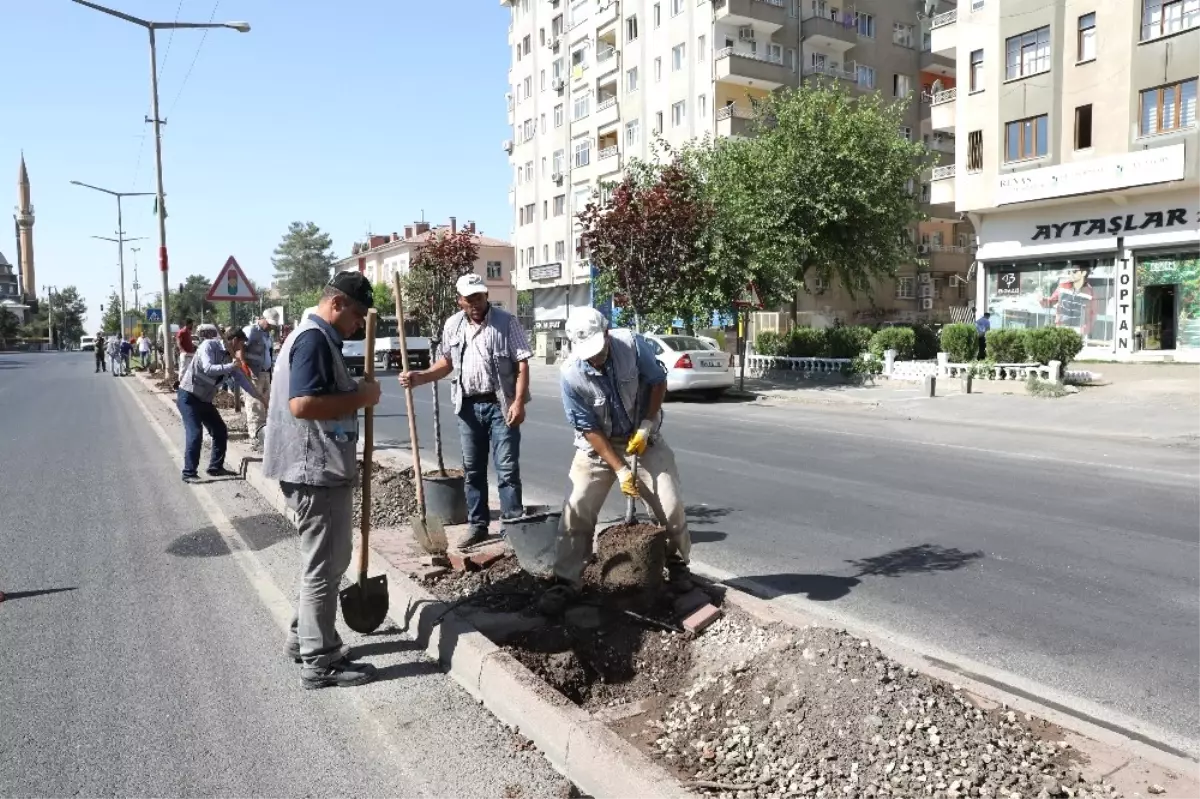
[
  {"x": 1077, "y": 294},
  {"x": 1167, "y": 301}
]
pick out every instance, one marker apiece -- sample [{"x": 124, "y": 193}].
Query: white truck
[{"x": 387, "y": 346}]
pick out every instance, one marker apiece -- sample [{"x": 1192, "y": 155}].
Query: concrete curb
[{"x": 582, "y": 748}]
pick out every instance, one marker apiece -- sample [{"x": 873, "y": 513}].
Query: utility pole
[
  {"x": 136, "y": 302},
  {"x": 49, "y": 314}
]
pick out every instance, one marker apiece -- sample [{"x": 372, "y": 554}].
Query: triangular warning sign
[{"x": 231, "y": 285}]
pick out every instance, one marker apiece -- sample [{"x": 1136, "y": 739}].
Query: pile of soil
[
  {"x": 819, "y": 713},
  {"x": 166, "y": 386},
  {"x": 223, "y": 400},
  {"x": 629, "y": 558},
  {"x": 393, "y": 497}
]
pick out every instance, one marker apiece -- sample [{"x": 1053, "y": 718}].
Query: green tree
[
  {"x": 188, "y": 302},
  {"x": 430, "y": 297},
  {"x": 10, "y": 327},
  {"x": 303, "y": 259},
  {"x": 69, "y": 312},
  {"x": 826, "y": 189},
  {"x": 110, "y": 322}
]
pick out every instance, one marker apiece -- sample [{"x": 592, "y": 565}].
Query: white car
[{"x": 692, "y": 365}]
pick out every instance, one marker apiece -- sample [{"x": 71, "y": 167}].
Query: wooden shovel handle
[
  {"x": 418, "y": 475},
  {"x": 368, "y": 432}
]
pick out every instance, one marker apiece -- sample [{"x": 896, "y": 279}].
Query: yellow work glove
[
  {"x": 639, "y": 440},
  {"x": 628, "y": 483}
]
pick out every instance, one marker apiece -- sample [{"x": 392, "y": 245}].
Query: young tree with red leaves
[{"x": 431, "y": 298}]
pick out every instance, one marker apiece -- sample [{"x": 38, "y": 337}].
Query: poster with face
[{"x": 1076, "y": 294}]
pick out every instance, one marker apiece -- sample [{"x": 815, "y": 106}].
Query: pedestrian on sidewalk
[
  {"x": 143, "y": 345},
  {"x": 612, "y": 391},
  {"x": 212, "y": 364},
  {"x": 258, "y": 359},
  {"x": 126, "y": 352},
  {"x": 113, "y": 350},
  {"x": 487, "y": 350},
  {"x": 982, "y": 325},
  {"x": 311, "y": 449},
  {"x": 185, "y": 345},
  {"x": 98, "y": 349}
]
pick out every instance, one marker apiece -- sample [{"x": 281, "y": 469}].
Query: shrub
[
  {"x": 960, "y": 342},
  {"x": 806, "y": 342},
  {"x": 1046, "y": 344},
  {"x": 901, "y": 339},
  {"x": 768, "y": 342},
  {"x": 1006, "y": 346},
  {"x": 847, "y": 341},
  {"x": 926, "y": 348}
]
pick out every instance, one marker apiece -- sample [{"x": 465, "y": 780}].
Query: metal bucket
[
  {"x": 534, "y": 538},
  {"x": 446, "y": 498}
]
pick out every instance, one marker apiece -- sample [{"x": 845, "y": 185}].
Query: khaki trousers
[
  {"x": 592, "y": 479},
  {"x": 256, "y": 412}
]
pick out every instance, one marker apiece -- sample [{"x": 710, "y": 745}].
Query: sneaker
[
  {"x": 221, "y": 472},
  {"x": 679, "y": 577},
  {"x": 191, "y": 477},
  {"x": 292, "y": 652},
  {"x": 340, "y": 674},
  {"x": 473, "y": 538}
]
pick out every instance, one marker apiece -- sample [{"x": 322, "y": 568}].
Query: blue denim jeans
[
  {"x": 199, "y": 414},
  {"x": 480, "y": 424}
]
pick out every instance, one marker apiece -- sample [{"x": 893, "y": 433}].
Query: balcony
[
  {"x": 946, "y": 258},
  {"x": 735, "y": 120},
  {"x": 941, "y": 188},
  {"x": 937, "y": 63},
  {"x": 746, "y": 69},
  {"x": 943, "y": 33},
  {"x": 836, "y": 33},
  {"x": 606, "y": 13},
  {"x": 606, "y": 59},
  {"x": 606, "y": 112},
  {"x": 831, "y": 70},
  {"x": 764, "y": 14},
  {"x": 942, "y": 110}
]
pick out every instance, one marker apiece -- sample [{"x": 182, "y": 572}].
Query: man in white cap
[
  {"x": 258, "y": 359},
  {"x": 487, "y": 349},
  {"x": 612, "y": 391}
]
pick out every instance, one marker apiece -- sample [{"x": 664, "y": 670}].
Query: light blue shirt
[
  {"x": 983, "y": 325},
  {"x": 580, "y": 414}
]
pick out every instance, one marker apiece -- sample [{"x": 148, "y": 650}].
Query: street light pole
[
  {"x": 120, "y": 234},
  {"x": 151, "y": 27},
  {"x": 137, "y": 303}
]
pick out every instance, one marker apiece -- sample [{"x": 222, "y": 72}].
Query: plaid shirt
[{"x": 472, "y": 349}]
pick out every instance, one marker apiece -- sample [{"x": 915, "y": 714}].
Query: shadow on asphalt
[
  {"x": 702, "y": 515},
  {"x": 262, "y": 531},
  {"x": 9, "y": 596},
  {"x": 920, "y": 559}
]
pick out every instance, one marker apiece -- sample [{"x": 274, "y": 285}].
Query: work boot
[
  {"x": 221, "y": 472},
  {"x": 473, "y": 537},
  {"x": 191, "y": 477},
  {"x": 292, "y": 650},
  {"x": 341, "y": 674},
  {"x": 679, "y": 577}
]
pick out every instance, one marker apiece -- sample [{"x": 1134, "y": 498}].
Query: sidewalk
[{"x": 1148, "y": 401}]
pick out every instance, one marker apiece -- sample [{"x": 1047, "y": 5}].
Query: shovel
[
  {"x": 365, "y": 603},
  {"x": 429, "y": 532}
]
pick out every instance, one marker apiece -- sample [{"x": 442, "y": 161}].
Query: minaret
[{"x": 25, "y": 233}]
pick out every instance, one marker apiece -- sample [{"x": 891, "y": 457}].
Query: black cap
[{"x": 355, "y": 286}]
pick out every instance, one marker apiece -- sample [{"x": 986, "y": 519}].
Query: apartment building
[
  {"x": 594, "y": 82},
  {"x": 379, "y": 257},
  {"x": 1080, "y": 168}
]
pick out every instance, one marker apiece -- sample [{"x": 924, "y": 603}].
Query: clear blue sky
[{"x": 353, "y": 114}]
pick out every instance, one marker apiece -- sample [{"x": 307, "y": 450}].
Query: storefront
[
  {"x": 552, "y": 304},
  {"x": 1123, "y": 271}
]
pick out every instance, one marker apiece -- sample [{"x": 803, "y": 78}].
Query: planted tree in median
[
  {"x": 826, "y": 188},
  {"x": 430, "y": 298}
]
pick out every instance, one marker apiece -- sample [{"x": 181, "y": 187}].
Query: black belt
[{"x": 489, "y": 397}]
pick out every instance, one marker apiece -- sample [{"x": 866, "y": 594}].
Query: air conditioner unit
[
  {"x": 927, "y": 304},
  {"x": 925, "y": 290},
  {"x": 508, "y": 146},
  {"x": 557, "y": 177},
  {"x": 746, "y": 33},
  {"x": 922, "y": 249},
  {"x": 924, "y": 277},
  {"x": 558, "y": 84}
]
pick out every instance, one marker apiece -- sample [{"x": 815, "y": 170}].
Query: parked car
[
  {"x": 87, "y": 343},
  {"x": 692, "y": 366}
]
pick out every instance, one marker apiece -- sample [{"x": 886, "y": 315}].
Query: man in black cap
[{"x": 311, "y": 449}]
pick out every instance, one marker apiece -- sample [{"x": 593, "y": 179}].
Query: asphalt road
[
  {"x": 142, "y": 657},
  {"x": 1060, "y": 558}
]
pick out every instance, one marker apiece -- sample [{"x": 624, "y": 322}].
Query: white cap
[
  {"x": 272, "y": 316},
  {"x": 470, "y": 284},
  {"x": 585, "y": 330}
]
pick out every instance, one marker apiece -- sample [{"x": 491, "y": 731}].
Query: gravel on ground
[{"x": 393, "y": 497}]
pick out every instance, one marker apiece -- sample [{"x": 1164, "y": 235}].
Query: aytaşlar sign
[{"x": 1111, "y": 226}]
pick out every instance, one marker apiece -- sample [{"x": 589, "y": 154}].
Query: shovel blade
[
  {"x": 365, "y": 604},
  {"x": 430, "y": 534}
]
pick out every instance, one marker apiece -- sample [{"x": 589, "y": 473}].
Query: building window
[
  {"x": 495, "y": 270},
  {"x": 702, "y": 106},
  {"x": 791, "y": 58},
  {"x": 529, "y": 129},
  {"x": 542, "y": 80},
  {"x": 556, "y": 69},
  {"x": 866, "y": 77},
  {"x": 906, "y": 288},
  {"x": 632, "y": 133},
  {"x": 905, "y": 132},
  {"x": 1025, "y": 138},
  {"x": 560, "y": 205},
  {"x": 545, "y": 253},
  {"x": 529, "y": 255},
  {"x": 543, "y": 123},
  {"x": 582, "y": 107},
  {"x": 545, "y": 209},
  {"x": 1027, "y": 54},
  {"x": 976, "y": 77},
  {"x": 1083, "y": 127},
  {"x": 559, "y": 157},
  {"x": 658, "y": 122},
  {"x": 902, "y": 85},
  {"x": 1086, "y": 43},
  {"x": 677, "y": 54},
  {"x": 676, "y": 7},
  {"x": 558, "y": 116},
  {"x": 526, "y": 44},
  {"x": 975, "y": 151},
  {"x": 560, "y": 250},
  {"x": 631, "y": 79},
  {"x": 528, "y": 171},
  {"x": 657, "y": 14},
  {"x": 583, "y": 152},
  {"x": 678, "y": 114},
  {"x": 1168, "y": 108},
  {"x": 657, "y": 69},
  {"x": 701, "y": 47},
  {"x": 865, "y": 24},
  {"x": 1161, "y": 17},
  {"x": 583, "y": 195},
  {"x": 529, "y": 86},
  {"x": 530, "y": 210},
  {"x": 902, "y": 34},
  {"x": 631, "y": 29}
]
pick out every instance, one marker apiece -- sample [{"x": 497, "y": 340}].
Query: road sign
[
  {"x": 749, "y": 298},
  {"x": 231, "y": 285},
  {"x": 154, "y": 315}
]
